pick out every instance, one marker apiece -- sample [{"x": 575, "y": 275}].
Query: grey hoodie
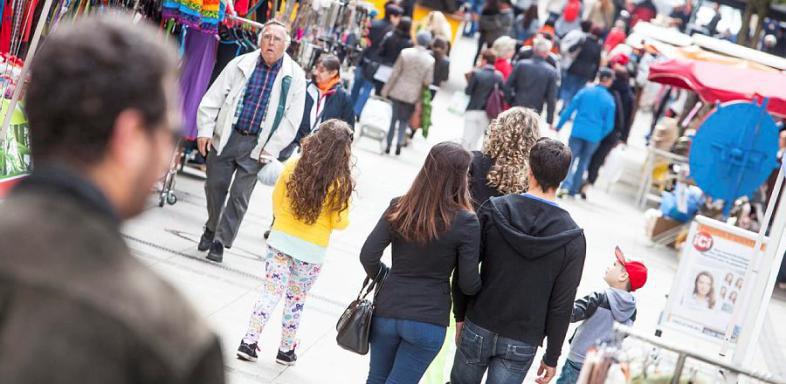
[{"x": 599, "y": 310}]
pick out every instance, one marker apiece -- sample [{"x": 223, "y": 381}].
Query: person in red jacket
[{"x": 615, "y": 37}]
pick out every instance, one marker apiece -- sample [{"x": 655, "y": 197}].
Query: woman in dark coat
[{"x": 326, "y": 99}]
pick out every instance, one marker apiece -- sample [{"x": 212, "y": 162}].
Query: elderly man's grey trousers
[{"x": 226, "y": 214}]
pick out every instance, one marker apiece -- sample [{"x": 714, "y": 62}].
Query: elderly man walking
[
  {"x": 250, "y": 113},
  {"x": 533, "y": 82}
]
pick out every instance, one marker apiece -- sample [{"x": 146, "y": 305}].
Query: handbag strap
[{"x": 377, "y": 282}]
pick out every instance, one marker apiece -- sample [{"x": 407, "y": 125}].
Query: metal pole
[
  {"x": 20, "y": 82},
  {"x": 748, "y": 288},
  {"x": 675, "y": 379},
  {"x": 763, "y": 284}
]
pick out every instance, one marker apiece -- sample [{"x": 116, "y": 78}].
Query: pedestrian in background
[
  {"x": 504, "y": 48},
  {"x": 433, "y": 231},
  {"x": 310, "y": 200},
  {"x": 439, "y": 49},
  {"x": 248, "y": 116},
  {"x": 326, "y": 99},
  {"x": 496, "y": 20},
  {"x": 595, "y": 113},
  {"x": 527, "y": 24},
  {"x": 601, "y": 14},
  {"x": 533, "y": 82},
  {"x": 77, "y": 306},
  {"x": 584, "y": 67},
  {"x": 502, "y": 168},
  {"x": 413, "y": 71},
  {"x": 532, "y": 256},
  {"x": 482, "y": 81},
  {"x": 390, "y": 49},
  {"x": 363, "y": 81},
  {"x": 623, "y": 101},
  {"x": 570, "y": 18}
]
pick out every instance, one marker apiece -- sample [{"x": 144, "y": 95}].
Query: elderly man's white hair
[
  {"x": 504, "y": 46},
  {"x": 274, "y": 22},
  {"x": 542, "y": 45}
]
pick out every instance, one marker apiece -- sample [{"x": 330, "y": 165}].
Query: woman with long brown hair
[
  {"x": 502, "y": 167},
  {"x": 310, "y": 200},
  {"x": 433, "y": 230}
]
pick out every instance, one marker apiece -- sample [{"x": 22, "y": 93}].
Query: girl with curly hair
[
  {"x": 501, "y": 168},
  {"x": 310, "y": 200}
]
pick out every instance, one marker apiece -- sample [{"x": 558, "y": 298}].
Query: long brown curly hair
[
  {"x": 511, "y": 136},
  {"x": 323, "y": 175}
]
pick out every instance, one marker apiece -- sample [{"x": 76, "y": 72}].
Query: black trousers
[{"x": 599, "y": 157}]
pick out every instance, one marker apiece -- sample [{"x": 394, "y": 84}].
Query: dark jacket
[
  {"x": 624, "y": 100},
  {"x": 478, "y": 182},
  {"x": 495, "y": 23},
  {"x": 418, "y": 285},
  {"x": 599, "y": 311},
  {"x": 481, "y": 83},
  {"x": 392, "y": 45},
  {"x": 377, "y": 31},
  {"x": 532, "y": 257},
  {"x": 441, "y": 69},
  {"x": 587, "y": 62},
  {"x": 338, "y": 105},
  {"x": 532, "y": 84},
  {"x": 72, "y": 295}
]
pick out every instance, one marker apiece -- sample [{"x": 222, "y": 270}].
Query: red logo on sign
[{"x": 702, "y": 241}]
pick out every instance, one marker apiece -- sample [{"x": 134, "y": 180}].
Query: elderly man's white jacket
[{"x": 218, "y": 108}]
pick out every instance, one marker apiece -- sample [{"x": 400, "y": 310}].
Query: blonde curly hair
[{"x": 510, "y": 137}]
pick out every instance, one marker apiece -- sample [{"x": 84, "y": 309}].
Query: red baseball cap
[{"x": 637, "y": 271}]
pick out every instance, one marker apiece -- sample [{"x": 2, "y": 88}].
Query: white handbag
[{"x": 270, "y": 173}]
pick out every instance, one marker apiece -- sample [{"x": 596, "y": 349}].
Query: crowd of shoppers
[{"x": 474, "y": 226}]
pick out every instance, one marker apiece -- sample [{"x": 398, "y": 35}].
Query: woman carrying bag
[
  {"x": 432, "y": 230},
  {"x": 310, "y": 200}
]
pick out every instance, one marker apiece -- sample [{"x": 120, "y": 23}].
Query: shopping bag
[
  {"x": 458, "y": 103},
  {"x": 270, "y": 173},
  {"x": 383, "y": 73}
]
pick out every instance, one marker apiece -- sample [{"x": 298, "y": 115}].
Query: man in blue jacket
[{"x": 594, "y": 119}]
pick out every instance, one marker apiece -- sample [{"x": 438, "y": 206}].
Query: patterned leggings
[{"x": 284, "y": 273}]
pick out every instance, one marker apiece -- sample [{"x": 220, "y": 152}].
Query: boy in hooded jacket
[{"x": 600, "y": 310}]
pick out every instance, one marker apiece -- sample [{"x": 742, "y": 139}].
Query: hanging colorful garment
[
  {"x": 204, "y": 15},
  {"x": 199, "y": 58}
]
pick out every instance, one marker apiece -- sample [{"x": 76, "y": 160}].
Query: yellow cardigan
[{"x": 286, "y": 222}]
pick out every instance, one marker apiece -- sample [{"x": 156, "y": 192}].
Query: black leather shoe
[
  {"x": 398, "y": 150},
  {"x": 216, "y": 252},
  {"x": 387, "y": 150},
  {"x": 206, "y": 241}
]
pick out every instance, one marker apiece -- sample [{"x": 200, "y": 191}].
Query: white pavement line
[{"x": 235, "y": 271}]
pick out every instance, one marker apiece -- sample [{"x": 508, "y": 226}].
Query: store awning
[{"x": 715, "y": 82}]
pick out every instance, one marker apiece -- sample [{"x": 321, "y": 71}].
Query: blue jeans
[
  {"x": 571, "y": 85},
  {"x": 479, "y": 349},
  {"x": 570, "y": 373},
  {"x": 402, "y": 350},
  {"x": 582, "y": 151},
  {"x": 361, "y": 90}
]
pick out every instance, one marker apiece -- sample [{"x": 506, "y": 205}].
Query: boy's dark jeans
[
  {"x": 479, "y": 349},
  {"x": 570, "y": 373}
]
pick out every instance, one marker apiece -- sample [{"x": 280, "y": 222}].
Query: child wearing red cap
[{"x": 599, "y": 311}]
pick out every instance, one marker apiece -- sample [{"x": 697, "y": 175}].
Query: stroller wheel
[{"x": 171, "y": 198}]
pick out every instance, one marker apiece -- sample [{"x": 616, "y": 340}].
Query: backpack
[{"x": 572, "y": 10}]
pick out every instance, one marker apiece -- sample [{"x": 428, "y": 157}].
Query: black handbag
[{"x": 354, "y": 325}]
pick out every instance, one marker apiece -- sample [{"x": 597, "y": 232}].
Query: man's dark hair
[
  {"x": 440, "y": 42},
  {"x": 392, "y": 9},
  {"x": 405, "y": 26},
  {"x": 549, "y": 161},
  {"x": 489, "y": 56},
  {"x": 85, "y": 76},
  {"x": 586, "y": 26},
  {"x": 605, "y": 73}
]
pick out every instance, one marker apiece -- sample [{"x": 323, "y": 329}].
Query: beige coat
[{"x": 414, "y": 69}]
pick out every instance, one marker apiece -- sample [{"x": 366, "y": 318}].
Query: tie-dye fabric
[{"x": 201, "y": 14}]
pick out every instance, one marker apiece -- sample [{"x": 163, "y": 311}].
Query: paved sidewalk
[{"x": 166, "y": 239}]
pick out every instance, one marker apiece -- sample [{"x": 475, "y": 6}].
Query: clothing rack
[
  {"x": 684, "y": 354},
  {"x": 25, "y": 68}
]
